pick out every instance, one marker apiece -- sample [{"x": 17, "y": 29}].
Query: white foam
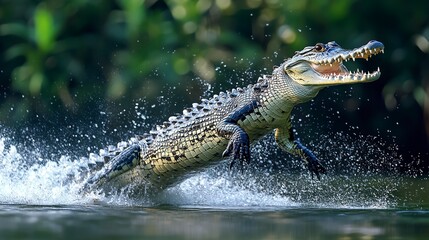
[
  {"x": 220, "y": 191},
  {"x": 29, "y": 179}
]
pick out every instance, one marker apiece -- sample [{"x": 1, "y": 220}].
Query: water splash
[
  {"x": 211, "y": 189},
  {"x": 282, "y": 190},
  {"x": 28, "y": 178}
]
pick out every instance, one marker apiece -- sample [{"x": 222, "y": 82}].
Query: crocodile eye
[{"x": 320, "y": 47}]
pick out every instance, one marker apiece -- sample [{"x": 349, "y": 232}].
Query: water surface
[{"x": 194, "y": 222}]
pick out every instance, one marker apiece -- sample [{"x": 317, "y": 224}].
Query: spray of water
[
  {"x": 30, "y": 179},
  {"x": 27, "y": 178}
]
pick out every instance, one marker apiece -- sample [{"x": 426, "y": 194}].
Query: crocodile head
[{"x": 322, "y": 64}]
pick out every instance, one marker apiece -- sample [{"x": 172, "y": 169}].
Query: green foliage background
[{"x": 63, "y": 57}]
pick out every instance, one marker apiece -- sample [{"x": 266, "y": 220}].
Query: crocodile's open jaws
[{"x": 327, "y": 68}]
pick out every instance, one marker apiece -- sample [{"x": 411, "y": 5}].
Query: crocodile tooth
[{"x": 240, "y": 90}]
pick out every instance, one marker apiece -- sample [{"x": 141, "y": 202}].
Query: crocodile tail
[{"x": 112, "y": 161}]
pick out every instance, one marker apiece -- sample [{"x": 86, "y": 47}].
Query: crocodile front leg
[
  {"x": 239, "y": 143},
  {"x": 286, "y": 141}
]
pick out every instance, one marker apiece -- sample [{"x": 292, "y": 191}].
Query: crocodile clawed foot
[
  {"x": 315, "y": 167},
  {"x": 239, "y": 148},
  {"x": 313, "y": 163}
]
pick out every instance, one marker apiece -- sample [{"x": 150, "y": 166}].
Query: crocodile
[{"x": 225, "y": 126}]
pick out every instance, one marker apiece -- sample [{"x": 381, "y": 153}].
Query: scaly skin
[{"x": 227, "y": 124}]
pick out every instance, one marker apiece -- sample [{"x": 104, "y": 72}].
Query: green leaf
[{"x": 44, "y": 29}]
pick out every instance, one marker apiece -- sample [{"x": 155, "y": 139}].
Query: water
[
  {"x": 178, "y": 222},
  {"x": 40, "y": 199}
]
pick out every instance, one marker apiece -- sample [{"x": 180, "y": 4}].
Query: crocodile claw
[
  {"x": 313, "y": 163},
  {"x": 239, "y": 147},
  {"x": 315, "y": 167}
]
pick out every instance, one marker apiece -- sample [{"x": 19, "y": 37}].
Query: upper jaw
[{"x": 326, "y": 68}]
